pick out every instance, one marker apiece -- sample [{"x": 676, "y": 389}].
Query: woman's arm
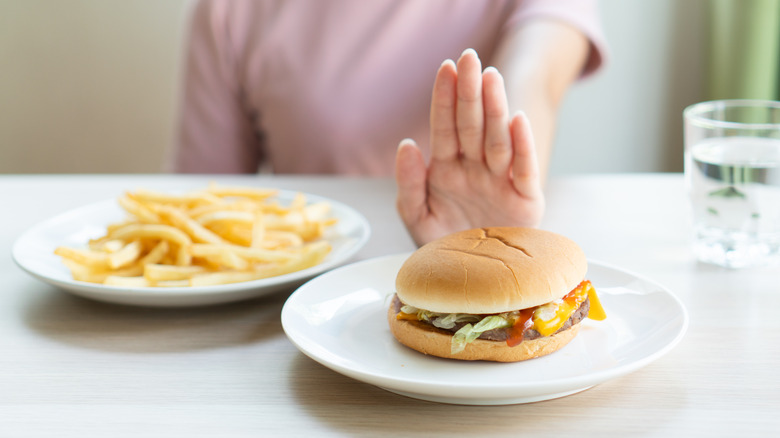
[
  {"x": 540, "y": 60},
  {"x": 215, "y": 131}
]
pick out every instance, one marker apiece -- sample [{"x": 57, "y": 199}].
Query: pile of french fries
[{"x": 219, "y": 235}]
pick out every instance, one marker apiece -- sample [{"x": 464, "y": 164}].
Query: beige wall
[
  {"x": 88, "y": 85},
  {"x": 91, "y": 86},
  {"x": 628, "y": 118}
]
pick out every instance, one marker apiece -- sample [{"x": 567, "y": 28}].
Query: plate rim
[
  {"x": 150, "y": 296},
  {"x": 431, "y": 390}
]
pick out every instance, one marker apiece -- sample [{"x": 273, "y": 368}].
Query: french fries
[{"x": 219, "y": 235}]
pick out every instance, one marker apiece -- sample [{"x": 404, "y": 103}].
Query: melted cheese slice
[{"x": 549, "y": 318}]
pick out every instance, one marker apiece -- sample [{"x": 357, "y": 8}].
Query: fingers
[
  {"x": 444, "y": 138},
  {"x": 498, "y": 146},
  {"x": 410, "y": 175},
  {"x": 469, "y": 114},
  {"x": 525, "y": 165}
]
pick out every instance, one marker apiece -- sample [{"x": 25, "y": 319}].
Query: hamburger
[{"x": 502, "y": 294}]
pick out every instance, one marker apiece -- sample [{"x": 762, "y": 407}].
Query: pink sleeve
[
  {"x": 214, "y": 133},
  {"x": 581, "y": 14}
]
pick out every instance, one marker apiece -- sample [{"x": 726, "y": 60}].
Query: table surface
[{"x": 74, "y": 367}]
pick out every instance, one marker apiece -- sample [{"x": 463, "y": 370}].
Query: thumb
[{"x": 411, "y": 178}]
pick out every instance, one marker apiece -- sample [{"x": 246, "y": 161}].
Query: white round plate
[
  {"x": 339, "y": 320},
  {"x": 33, "y": 251}
]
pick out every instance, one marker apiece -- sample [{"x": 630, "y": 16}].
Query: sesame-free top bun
[{"x": 491, "y": 270}]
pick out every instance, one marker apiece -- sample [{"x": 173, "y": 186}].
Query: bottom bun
[{"x": 426, "y": 339}]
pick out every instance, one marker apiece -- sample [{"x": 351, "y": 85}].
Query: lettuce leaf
[
  {"x": 468, "y": 333},
  {"x": 450, "y": 320},
  {"x": 440, "y": 320}
]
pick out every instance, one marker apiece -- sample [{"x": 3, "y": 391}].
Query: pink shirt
[{"x": 332, "y": 86}]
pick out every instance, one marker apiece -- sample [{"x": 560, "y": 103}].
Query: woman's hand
[{"x": 483, "y": 169}]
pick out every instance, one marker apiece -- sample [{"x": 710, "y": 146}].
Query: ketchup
[{"x": 523, "y": 323}]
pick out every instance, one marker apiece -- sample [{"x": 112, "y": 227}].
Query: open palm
[{"x": 483, "y": 169}]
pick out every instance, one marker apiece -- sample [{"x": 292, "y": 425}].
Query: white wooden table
[{"x": 70, "y": 367}]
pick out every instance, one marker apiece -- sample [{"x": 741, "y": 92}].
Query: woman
[{"x": 298, "y": 86}]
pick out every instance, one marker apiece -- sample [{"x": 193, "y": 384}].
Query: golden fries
[
  {"x": 125, "y": 256},
  {"x": 220, "y": 235}
]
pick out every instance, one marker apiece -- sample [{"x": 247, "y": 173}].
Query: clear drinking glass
[{"x": 732, "y": 173}]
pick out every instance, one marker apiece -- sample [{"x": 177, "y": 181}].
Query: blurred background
[{"x": 90, "y": 86}]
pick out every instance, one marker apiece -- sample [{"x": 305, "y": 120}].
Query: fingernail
[
  {"x": 447, "y": 61},
  {"x": 520, "y": 114},
  {"x": 406, "y": 141},
  {"x": 469, "y": 50},
  {"x": 491, "y": 69}
]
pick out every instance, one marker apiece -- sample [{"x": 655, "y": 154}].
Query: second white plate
[{"x": 339, "y": 320}]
